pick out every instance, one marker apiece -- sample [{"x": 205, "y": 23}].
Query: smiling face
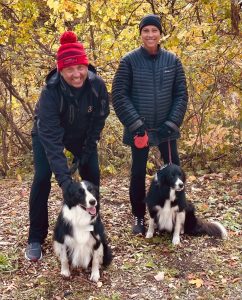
[
  {"x": 75, "y": 75},
  {"x": 150, "y": 36}
]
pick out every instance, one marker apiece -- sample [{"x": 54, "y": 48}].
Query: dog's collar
[
  {"x": 87, "y": 228},
  {"x": 161, "y": 168}
]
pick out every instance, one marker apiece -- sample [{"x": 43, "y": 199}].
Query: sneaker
[
  {"x": 139, "y": 226},
  {"x": 33, "y": 251}
]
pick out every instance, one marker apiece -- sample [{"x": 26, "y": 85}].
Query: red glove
[{"x": 141, "y": 141}]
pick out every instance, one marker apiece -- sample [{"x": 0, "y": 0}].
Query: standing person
[
  {"x": 149, "y": 96},
  {"x": 70, "y": 114}
]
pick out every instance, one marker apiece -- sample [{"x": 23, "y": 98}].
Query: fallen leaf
[
  {"x": 160, "y": 276},
  {"x": 19, "y": 178},
  {"x": 190, "y": 276},
  {"x": 99, "y": 284},
  {"x": 191, "y": 178},
  {"x": 150, "y": 264},
  {"x": 198, "y": 282}
]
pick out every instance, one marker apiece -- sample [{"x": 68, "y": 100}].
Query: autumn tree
[{"x": 204, "y": 34}]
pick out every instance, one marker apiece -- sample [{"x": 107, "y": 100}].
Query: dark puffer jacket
[
  {"x": 64, "y": 119},
  {"x": 150, "y": 90}
]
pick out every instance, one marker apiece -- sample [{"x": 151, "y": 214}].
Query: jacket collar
[
  {"x": 151, "y": 56},
  {"x": 52, "y": 78}
]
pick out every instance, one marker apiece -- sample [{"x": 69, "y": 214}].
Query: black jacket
[
  {"x": 65, "y": 120},
  {"x": 150, "y": 90}
]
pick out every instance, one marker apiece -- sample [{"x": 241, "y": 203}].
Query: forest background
[{"x": 205, "y": 34}]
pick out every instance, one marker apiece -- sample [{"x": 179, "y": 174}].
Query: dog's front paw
[
  {"x": 176, "y": 240},
  {"x": 95, "y": 276},
  {"x": 65, "y": 273},
  {"x": 149, "y": 235}
]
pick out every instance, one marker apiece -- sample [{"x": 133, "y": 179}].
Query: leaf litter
[{"x": 200, "y": 268}]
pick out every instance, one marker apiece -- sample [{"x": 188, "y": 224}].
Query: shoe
[
  {"x": 33, "y": 252},
  {"x": 139, "y": 226}
]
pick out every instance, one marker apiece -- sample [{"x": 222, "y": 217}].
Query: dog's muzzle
[
  {"x": 179, "y": 185},
  {"x": 92, "y": 210}
]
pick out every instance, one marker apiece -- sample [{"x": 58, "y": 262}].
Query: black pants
[
  {"x": 40, "y": 189},
  {"x": 138, "y": 173}
]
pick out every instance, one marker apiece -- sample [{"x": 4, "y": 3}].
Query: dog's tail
[
  {"x": 107, "y": 255},
  {"x": 211, "y": 228},
  {"x": 197, "y": 226}
]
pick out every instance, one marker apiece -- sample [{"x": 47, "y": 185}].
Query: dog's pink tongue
[{"x": 91, "y": 210}]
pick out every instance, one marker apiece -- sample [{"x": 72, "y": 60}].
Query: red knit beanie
[{"x": 71, "y": 52}]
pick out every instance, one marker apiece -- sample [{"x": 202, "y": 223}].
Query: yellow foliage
[
  {"x": 53, "y": 4},
  {"x": 199, "y": 32},
  {"x": 150, "y": 165}
]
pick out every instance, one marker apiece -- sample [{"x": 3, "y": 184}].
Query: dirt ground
[{"x": 199, "y": 268}]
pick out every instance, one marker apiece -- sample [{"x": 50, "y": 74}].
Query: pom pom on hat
[
  {"x": 68, "y": 37},
  {"x": 71, "y": 52}
]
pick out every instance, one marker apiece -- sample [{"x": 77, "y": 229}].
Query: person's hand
[
  {"x": 141, "y": 139},
  {"x": 165, "y": 131},
  {"x": 139, "y": 131}
]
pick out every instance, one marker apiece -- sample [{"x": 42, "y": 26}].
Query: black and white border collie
[
  {"x": 79, "y": 237},
  {"x": 169, "y": 211}
]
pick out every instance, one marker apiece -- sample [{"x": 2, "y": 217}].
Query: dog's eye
[{"x": 89, "y": 189}]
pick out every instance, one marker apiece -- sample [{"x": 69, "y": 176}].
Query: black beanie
[{"x": 150, "y": 20}]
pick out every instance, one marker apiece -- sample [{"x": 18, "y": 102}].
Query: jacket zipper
[{"x": 155, "y": 91}]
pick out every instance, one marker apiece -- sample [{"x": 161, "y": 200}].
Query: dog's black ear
[
  {"x": 74, "y": 194},
  {"x": 161, "y": 177}
]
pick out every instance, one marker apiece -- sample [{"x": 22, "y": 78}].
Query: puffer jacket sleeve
[
  {"x": 121, "y": 91},
  {"x": 180, "y": 96},
  {"x": 51, "y": 135},
  {"x": 99, "y": 116}
]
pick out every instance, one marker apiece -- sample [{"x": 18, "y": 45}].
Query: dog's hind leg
[
  {"x": 97, "y": 260},
  {"x": 151, "y": 228},
  {"x": 61, "y": 252},
  {"x": 179, "y": 225}
]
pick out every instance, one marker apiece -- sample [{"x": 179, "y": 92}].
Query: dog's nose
[
  {"x": 92, "y": 202},
  {"x": 181, "y": 185}
]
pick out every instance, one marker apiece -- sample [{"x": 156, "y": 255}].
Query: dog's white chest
[
  {"x": 81, "y": 247},
  {"x": 166, "y": 216}
]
